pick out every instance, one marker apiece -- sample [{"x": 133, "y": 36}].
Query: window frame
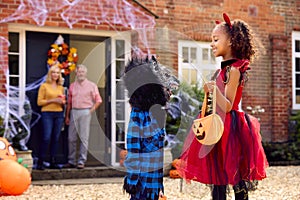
[
  {"x": 295, "y": 37},
  {"x": 22, "y": 70},
  {"x": 211, "y": 66}
]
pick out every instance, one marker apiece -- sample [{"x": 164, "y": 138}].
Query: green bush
[
  {"x": 288, "y": 151},
  {"x": 191, "y": 100}
]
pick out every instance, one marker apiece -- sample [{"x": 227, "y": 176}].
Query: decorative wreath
[{"x": 60, "y": 53}]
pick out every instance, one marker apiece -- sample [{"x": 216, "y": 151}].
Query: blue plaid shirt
[{"x": 145, "y": 146}]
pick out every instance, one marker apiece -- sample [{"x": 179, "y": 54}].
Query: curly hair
[
  {"x": 145, "y": 88},
  {"x": 242, "y": 40}
]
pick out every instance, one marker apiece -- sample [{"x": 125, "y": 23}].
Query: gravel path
[{"x": 283, "y": 183}]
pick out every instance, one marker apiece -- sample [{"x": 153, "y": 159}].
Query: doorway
[{"x": 92, "y": 51}]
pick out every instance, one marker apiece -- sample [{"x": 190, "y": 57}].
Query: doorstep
[
  {"x": 74, "y": 173},
  {"x": 81, "y": 181}
]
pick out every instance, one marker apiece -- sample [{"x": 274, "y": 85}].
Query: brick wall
[
  {"x": 270, "y": 84},
  {"x": 3, "y": 57}
]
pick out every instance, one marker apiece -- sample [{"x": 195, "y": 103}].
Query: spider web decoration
[
  {"x": 113, "y": 13},
  {"x": 71, "y": 12},
  {"x": 124, "y": 13}
]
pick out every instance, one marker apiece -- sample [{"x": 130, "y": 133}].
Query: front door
[{"x": 37, "y": 45}]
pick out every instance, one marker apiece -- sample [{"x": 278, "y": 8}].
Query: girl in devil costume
[{"x": 238, "y": 157}]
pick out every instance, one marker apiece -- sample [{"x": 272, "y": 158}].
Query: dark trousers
[
  {"x": 240, "y": 191},
  {"x": 52, "y": 124}
]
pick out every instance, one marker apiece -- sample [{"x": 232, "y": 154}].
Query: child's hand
[{"x": 209, "y": 86}]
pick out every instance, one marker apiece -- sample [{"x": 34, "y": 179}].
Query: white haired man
[{"x": 83, "y": 99}]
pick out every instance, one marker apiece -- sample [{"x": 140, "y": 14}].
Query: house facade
[{"x": 107, "y": 33}]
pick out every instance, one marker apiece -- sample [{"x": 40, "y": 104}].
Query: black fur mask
[{"x": 147, "y": 83}]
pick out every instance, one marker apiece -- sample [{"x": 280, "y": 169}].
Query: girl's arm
[{"x": 225, "y": 102}]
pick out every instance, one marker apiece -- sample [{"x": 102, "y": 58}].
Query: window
[
  {"x": 13, "y": 58},
  {"x": 296, "y": 69},
  {"x": 120, "y": 98},
  {"x": 196, "y": 62},
  {"x": 16, "y": 75}
]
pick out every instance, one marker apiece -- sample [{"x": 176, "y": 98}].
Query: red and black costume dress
[{"x": 238, "y": 155}]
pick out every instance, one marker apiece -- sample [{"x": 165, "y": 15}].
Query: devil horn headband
[{"x": 226, "y": 19}]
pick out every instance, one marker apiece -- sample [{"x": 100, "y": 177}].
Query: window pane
[
  {"x": 14, "y": 81},
  {"x": 212, "y": 57},
  {"x": 120, "y": 67},
  {"x": 194, "y": 55},
  {"x": 120, "y": 48},
  {"x": 297, "y": 65},
  {"x": 297, "y": 45},
  {"x": 193, "y": 76},
  {"x": 13, "y": 64},
  {"x": 205, "y": 54},
  {"x": 14, "y": 42},
  {"x": 120, "y": 90},
  {"x": 185, "y": 75},
  {"x": 120, "y": 109},
  {"x": 120, "y": 131},
  {"x": 298, "y": 96},
  {"x": 297, "y": 80},
  {"x": 185, "y": 54}
]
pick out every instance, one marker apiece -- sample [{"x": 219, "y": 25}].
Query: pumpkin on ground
[
  {"x": 14, "y": 178},
  {"x": 174, "y": 173}
]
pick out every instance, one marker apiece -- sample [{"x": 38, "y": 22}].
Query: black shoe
[
  {"x": 20, "y": 147},
  {"x": 40, "y": 165},
  {"x": 54, "y": 166},
  {"x": 69, "y": 165},
  {"x": 241, "y": 191}
]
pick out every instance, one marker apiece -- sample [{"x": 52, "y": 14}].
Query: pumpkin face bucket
[
  {"x": 208, "y": 130},
  {"x": 6, "y": 150}
]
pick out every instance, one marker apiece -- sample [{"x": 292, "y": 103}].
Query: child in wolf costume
[{"x": 148, "y": 85}]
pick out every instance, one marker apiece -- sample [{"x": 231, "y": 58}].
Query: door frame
[
  {"x": 22, "y": 28},
  {"x": 115, "y": 150}
]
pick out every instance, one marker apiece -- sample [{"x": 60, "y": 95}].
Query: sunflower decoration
[{"x": 60, "y": 53}]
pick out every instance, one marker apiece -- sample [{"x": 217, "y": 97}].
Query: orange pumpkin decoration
[
  {"x": 174, "y": 173},
  {"x": 163, "y": 197},
  {"x": 6, "y": 150},
  {"x": 123, "y": 154},
  {"x": 175, "y": 162},
  {"x": 14, "y": 178}
]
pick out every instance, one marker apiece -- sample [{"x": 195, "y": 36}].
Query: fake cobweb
[{"x": 13, "y": 107}]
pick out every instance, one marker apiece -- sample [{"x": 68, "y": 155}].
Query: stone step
[{"x": 70, "y": 173}]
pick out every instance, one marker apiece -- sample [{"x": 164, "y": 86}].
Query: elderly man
[{"x": 83, "y": 99}]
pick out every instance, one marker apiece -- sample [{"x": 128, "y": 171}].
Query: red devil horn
[
  {"x": 227, "y": 20},
  {"x": 218, "y": 22}
]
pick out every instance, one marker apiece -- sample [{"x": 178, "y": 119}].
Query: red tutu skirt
[{"x": 237, "y": 156}]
